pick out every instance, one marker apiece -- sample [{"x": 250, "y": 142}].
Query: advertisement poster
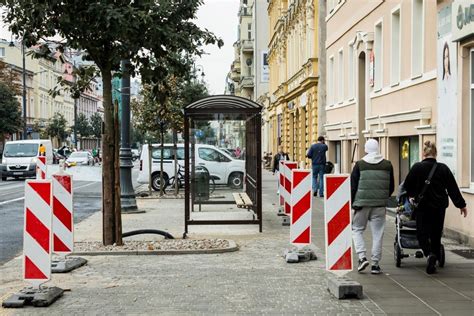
[{"x": 447, "y": 91}]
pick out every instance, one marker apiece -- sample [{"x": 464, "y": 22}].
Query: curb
[{"x": 232, "y": 248}]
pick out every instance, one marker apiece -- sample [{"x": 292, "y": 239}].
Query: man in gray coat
[{"x": 371, "y": 185}]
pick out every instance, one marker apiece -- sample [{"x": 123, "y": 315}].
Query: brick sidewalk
[{"x": 254, "y": 280}]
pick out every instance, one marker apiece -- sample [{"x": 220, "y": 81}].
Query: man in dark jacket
[
  {"x": 432, "y": 206},
  {"x": 371, "y": 185},
  {"x": 281, "y": 155},
  {"x": 317, "y": 154}
]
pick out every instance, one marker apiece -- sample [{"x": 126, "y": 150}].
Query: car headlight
[
  {"x": 4, "y": 161},
  {"x": 34, "y": 160}
]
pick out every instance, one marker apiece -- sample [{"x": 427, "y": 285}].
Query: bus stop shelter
[{"x": 222, "y": 108}]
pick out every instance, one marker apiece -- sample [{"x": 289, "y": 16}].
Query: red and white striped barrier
[
  {"x": 287, "y": 167},
  {"x": 301, "y": 206},
  {"x": 41, "y": 168},
  {"x": 338, "y": 223},
  {"x": 37, "y": 232},
  {"x": 281, "y": 184},
  {"x": 63, "y": 219}
]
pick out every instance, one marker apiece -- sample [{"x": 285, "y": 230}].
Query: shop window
[
  {"x": 337, "y": 153},
  {"x": 409, "y": 154}
]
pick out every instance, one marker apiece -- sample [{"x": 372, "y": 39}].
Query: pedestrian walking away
[
  {"x": 317, "y": 154},
  {"x": 281, "y": 155},
  {"x": 431, "y": 198},
  {"x": 372, "y": 184}
]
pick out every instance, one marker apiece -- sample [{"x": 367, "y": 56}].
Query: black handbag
[
  {"x": 328, "y": 167},
  {"x": 420, "y": 196}
]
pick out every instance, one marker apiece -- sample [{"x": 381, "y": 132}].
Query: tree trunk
[
  {"x": 118, "y": 205},
  {"x": 108, "y": 163}
]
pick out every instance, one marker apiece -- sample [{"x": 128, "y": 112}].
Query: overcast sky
[{"x": 219, "y": 17}]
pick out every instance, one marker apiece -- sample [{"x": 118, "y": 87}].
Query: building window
[
  {"x": 249, "y": 33},
  {"x": 2, "y": 51},
  {"x": 395, "y": 48},
  {"x": 351, "y": 81},
  {"x": 330, "y": 81},
  {"x": 471, "y": 85},
  {"x": 417, "y": 38},
  {"x": 378, "y": 46},
  {"x": 340, "y": 76}
]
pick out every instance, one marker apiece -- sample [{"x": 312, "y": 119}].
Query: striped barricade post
[
  {"x": 301, "y": 201},
  {"x": 287, "y": 167},
  {"x": 301, "y": 206},
  {"x": 63, "y": 223},
  {"x": 41, "y": 168},
  {"x": 338, "y": 227},
  {"x": 281, "y": 188},
  {"x": 37, "y": 247}
]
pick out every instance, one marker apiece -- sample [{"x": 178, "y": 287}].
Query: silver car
[{"x": 80, "y": 158}]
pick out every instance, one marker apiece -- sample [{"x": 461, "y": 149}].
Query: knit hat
[{"x": 372, "y": 146}]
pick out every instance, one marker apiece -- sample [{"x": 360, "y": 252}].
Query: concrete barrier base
[
  {"x": 42, "y": 297},
  {"x": 67, "y": 265},
  {"x": 342, "y": 287}
]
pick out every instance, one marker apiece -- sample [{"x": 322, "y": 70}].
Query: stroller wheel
[
  {"x": 397, "y": 254},
  {"x": 442, "y": 257}
]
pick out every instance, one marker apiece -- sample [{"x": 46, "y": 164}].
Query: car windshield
[
  {"x": 78, "y": 155},
  {"x": 21, "y": 150}
]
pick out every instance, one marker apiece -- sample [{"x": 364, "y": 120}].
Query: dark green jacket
[{"x": 371, "y": 183}]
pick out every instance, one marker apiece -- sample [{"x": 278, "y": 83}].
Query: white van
[
  {"x": 222, "y": 167},
  {"x": 19, "y": 157}
]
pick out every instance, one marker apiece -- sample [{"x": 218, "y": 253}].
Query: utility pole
[{"x": 127, "y": 193}]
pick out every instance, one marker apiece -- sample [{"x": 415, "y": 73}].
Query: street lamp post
[{"x": 127, "y": 193}]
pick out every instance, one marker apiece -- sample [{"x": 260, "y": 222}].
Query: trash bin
[{"x": 201, "y": 184}]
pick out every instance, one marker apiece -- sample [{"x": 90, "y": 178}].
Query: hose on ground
[{"x": 148, "y": 231}]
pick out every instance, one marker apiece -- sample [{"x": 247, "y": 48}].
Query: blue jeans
[{"x": 318, "y": 170}]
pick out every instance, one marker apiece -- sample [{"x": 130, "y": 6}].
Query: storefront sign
[
  {"x": 462, "y": 19},
  {"x": 447, "y": 87},
  {"x": 265, "y": 70}
]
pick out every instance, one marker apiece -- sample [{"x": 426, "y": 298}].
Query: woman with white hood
[{"x": 371, "y": 185}]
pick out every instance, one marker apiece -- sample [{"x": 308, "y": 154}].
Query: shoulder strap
[{"x": 427, "y": 182}]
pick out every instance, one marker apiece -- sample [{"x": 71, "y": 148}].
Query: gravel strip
[{"x": 164, "y": 245}]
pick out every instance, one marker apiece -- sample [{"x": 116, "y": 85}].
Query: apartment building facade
[
  {"x": 293, "y": 62},
  {"x": 455, "y": 133},
  {"x": 385, "y": 81}
]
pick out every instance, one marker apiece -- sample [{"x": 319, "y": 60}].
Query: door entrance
[{"x": 409, "y": 149}]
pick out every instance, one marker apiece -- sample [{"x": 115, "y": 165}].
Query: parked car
[
  {"x": 80, "y": 158},
  {"x": 222, "y": 167},
  {"x": 19, "y": 157}
]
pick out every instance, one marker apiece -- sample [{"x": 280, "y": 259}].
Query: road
[{"x": 87, "y": 201}]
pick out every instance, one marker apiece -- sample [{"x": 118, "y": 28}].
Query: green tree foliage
[
  {"x": 83, "y": 127},
  {"x": 96, "y": 125},
  {"x": 152, "y": 34},
  {"x": 10, "y": 113},
  {"x": 57, "y": 127}
]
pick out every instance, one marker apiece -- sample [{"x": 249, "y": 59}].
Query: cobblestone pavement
[{"x": 253, "y": 280}]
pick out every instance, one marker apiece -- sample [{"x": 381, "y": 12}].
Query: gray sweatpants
[{"x": 376, "y": 216}]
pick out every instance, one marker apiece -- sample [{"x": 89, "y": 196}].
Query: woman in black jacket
[{"x": 432, "y": 207}]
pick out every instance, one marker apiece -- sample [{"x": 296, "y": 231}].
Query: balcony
[
  {"x": 247, "y": 46},
  {"x": 246, "y": 82},
  {"x": 245, "y": 12}
]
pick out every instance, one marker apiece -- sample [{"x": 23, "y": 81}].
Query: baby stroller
[{"x": 405, "y": 238}]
